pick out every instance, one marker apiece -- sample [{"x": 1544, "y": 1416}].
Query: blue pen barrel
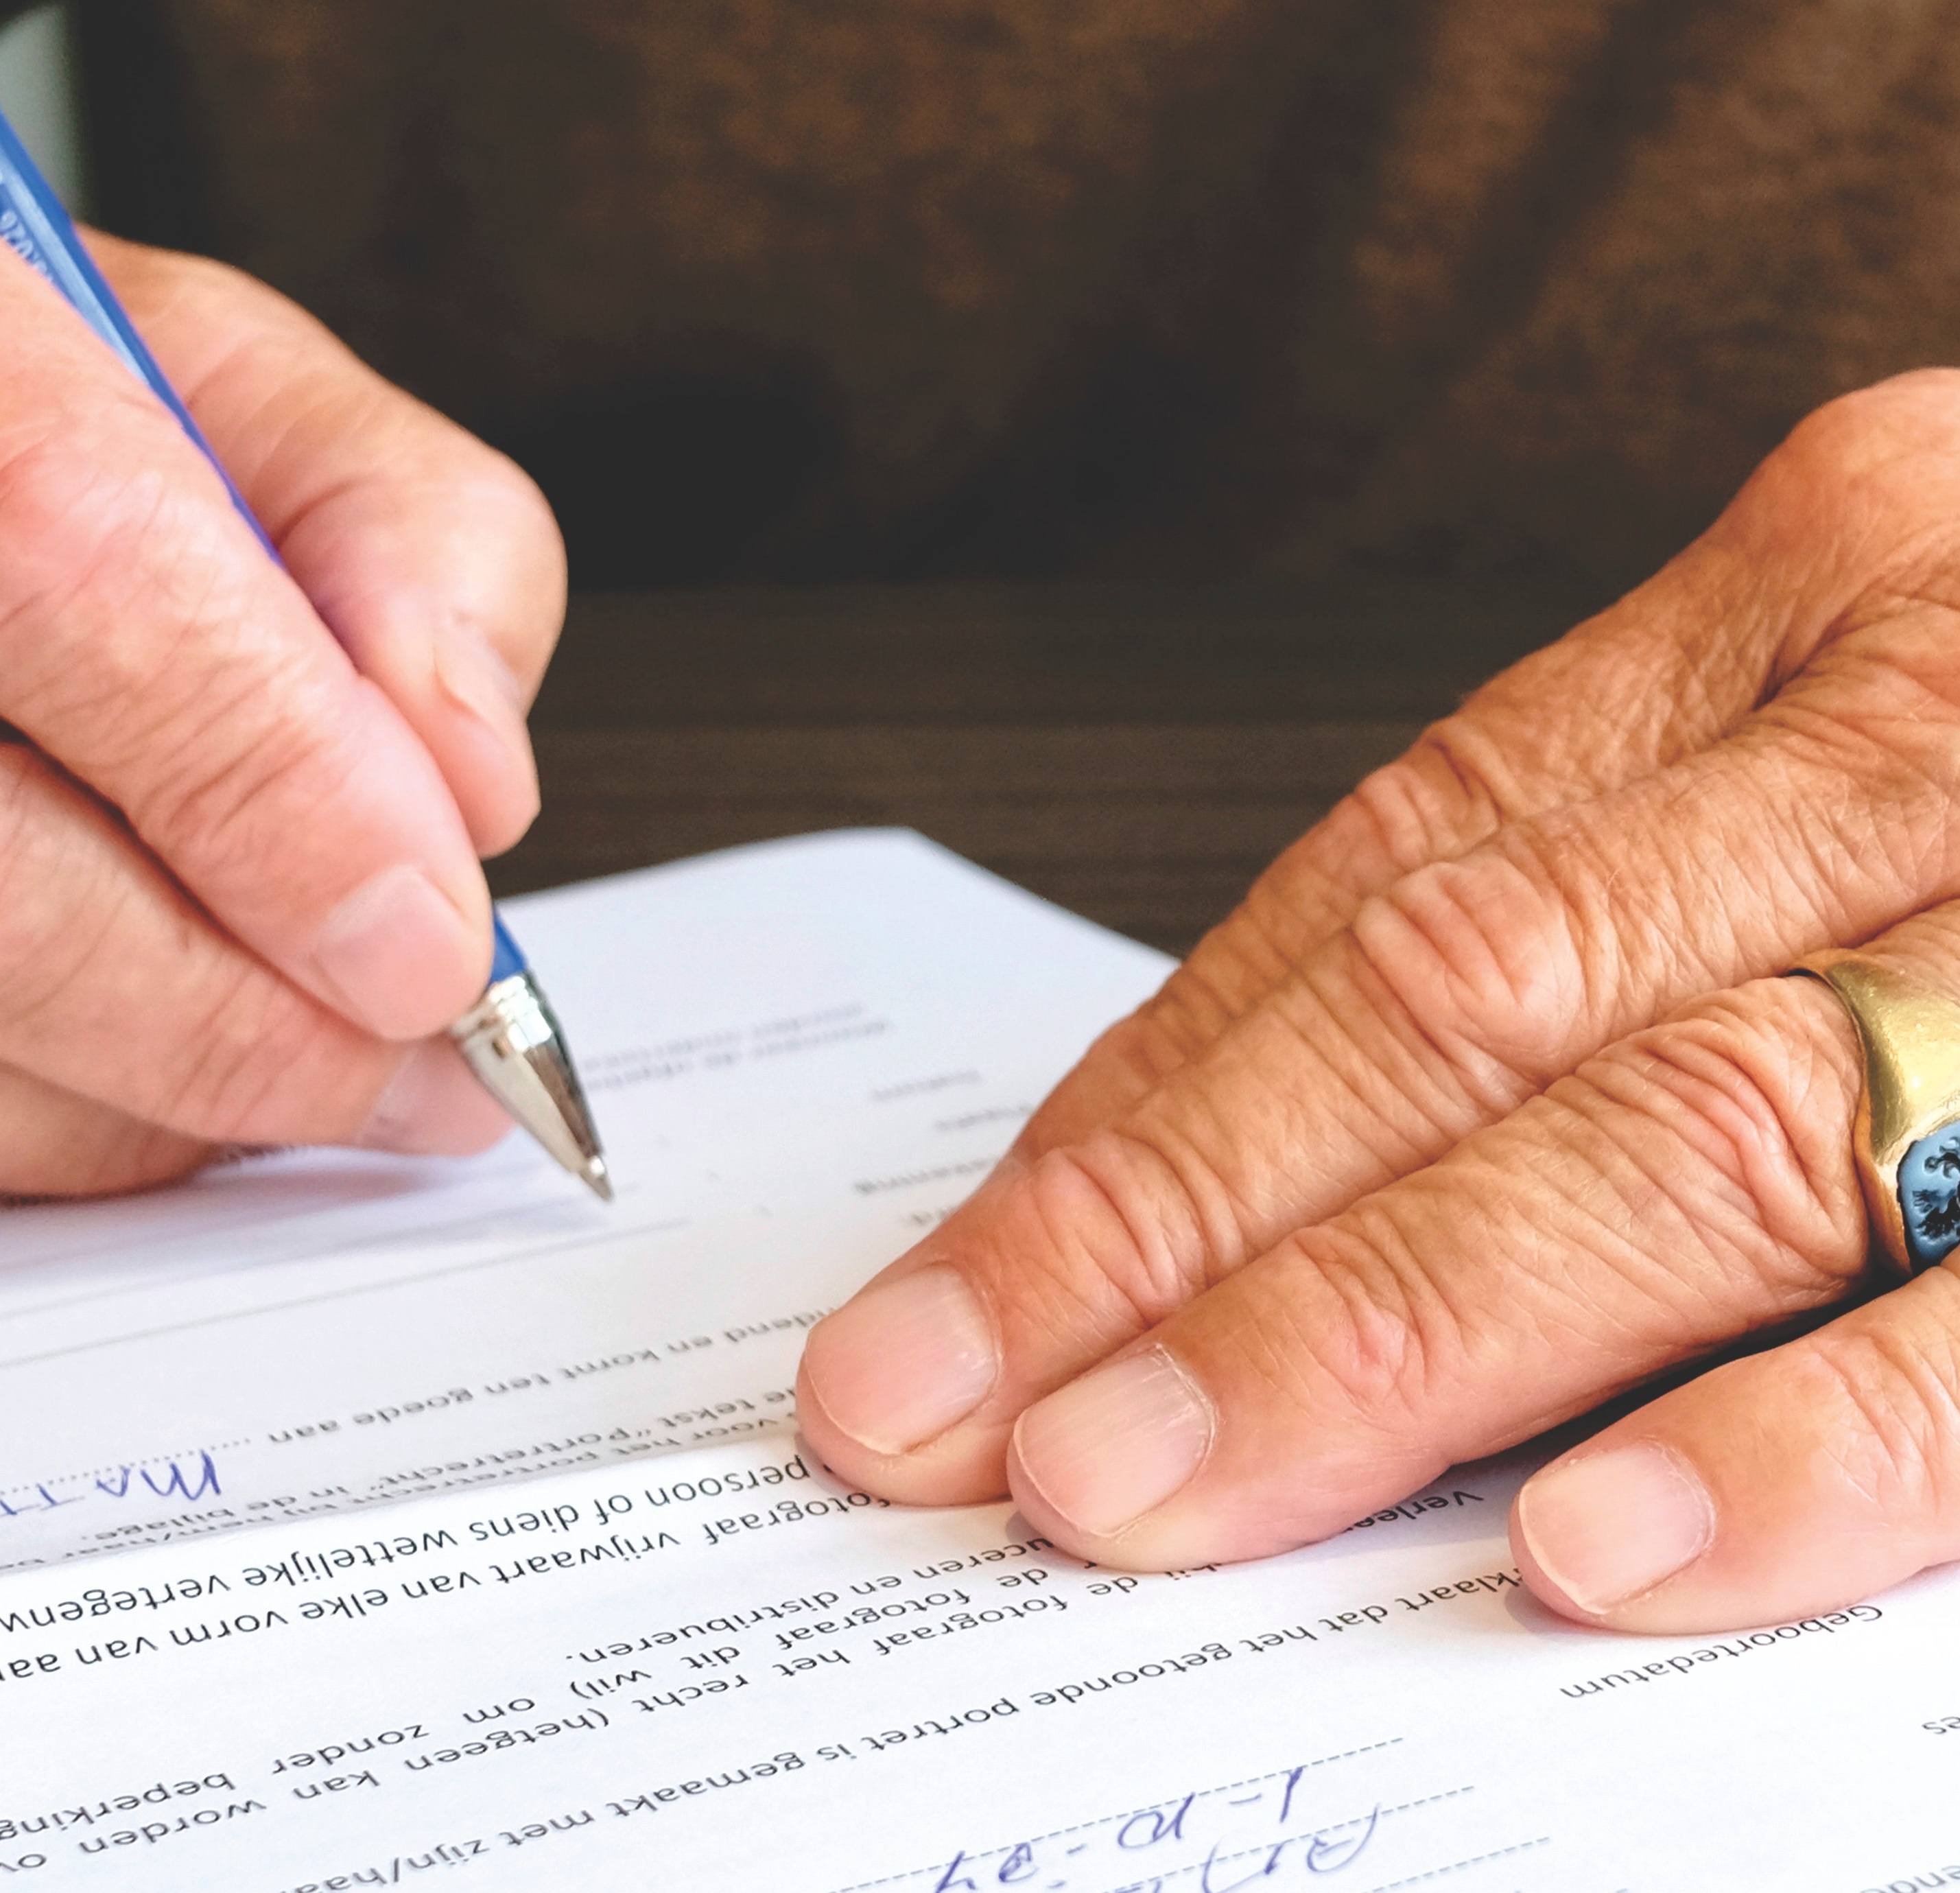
[
  {"x": 35, "y": 227},
  {"x": 33, "y": 224},
  {"x": 540, "y": 1089},
  {"x": 508, "y": 960}
]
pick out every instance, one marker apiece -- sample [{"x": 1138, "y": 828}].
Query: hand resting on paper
[
  {"x": 239, "y": 886},
  {"x": 1488, "y": 1104}
]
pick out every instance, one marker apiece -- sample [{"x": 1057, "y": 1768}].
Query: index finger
[
  {"x": 1691, "y": 1184},
  {"x": 147, "y": 643},
  {"x": 433, "y": 559}
]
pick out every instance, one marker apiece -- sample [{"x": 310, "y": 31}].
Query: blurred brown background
[
  {"x": 908, "y": 288},
  {"x": 1091, "y": 429}
]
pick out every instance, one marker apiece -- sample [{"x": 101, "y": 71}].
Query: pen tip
[{"x": 597, "y": 1178}]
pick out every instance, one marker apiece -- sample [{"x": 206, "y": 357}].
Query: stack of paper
[{"x": 372, "y": 1522}]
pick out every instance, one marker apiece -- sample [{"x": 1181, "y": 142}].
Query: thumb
[{"x": 1770, "y": 1490}]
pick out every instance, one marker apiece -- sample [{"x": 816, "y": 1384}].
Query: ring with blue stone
[{"x": 1906, "y": 1139}]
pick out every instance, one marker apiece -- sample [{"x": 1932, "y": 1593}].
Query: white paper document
[
  {"x": 801, "y": 1055},
  {"x": 618, "y": 1632},
  {"x": 721, "y": 1670}
]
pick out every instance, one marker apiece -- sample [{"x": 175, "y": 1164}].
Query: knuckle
[
  {"x": 1334, "y": 1322},
  {"x": 60, "y": 903},
  {"x": 517, "y": 496},
  {"x": 1448, "y": 791},
  {"x": 41, "y": 478},
  {"x": 430, "y": 506},
  {"x": 87, "y": 934},
  {"x": 1243, "y": 958},
  {"x": 1888, "y": 1403},
  {"x": 79, "y": 516},
  {"x": 1871, "y": 425},
  {"x": 57, "y": 1145},
  {"x": 220, "y": 1086},
  {"x": 214, "y": 292},
  {"x": 531, "y": 597},
  {"x": 1171, "y": 1026},
  {"x": 1111, "y": 1220},
  {"x": 256, "y": 1061},
  {"x": 256, "y": 761},
  {"x": 116, "y": 561},
  {"x": 1867, "y": 482},
  {"x": 1737, "y": 1114},
  {"x": 1484, "y": 957},
  {"x": 68, "y": 463}
]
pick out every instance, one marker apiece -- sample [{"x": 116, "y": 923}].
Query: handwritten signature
[
  {"x": 168, "y": 1479},
  {"x": 1209, "y": 1840}
]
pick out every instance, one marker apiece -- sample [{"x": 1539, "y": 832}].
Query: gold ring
[{"x": 1906, "y": 1139}]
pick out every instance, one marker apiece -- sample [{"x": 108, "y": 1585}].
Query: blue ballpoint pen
[{"x": 510, "y": 1037}]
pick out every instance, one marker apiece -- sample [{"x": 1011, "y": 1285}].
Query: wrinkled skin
[
  {"x": 1488, "y": 1104},
  {"x": 238, "y": 880}
]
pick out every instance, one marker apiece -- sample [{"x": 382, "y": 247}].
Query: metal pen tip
[{"x": 513, "y": 1044}]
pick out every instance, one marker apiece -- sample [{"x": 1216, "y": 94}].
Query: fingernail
[
  {"x": 399, "y": 954},
  {"x": 1116, "y": 1443},
  {"x": 433, "y": 1106},
  {"x": 474, "y": 675},
  {"x": 1611, "y": 1525},
  {"x": 476, "y": 679},
  {"x": 473, "y": 671},
  {"x": 903, "y": 1361}
]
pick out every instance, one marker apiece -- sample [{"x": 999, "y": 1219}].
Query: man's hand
[
  {"x": 239, "y": 888},
  {"x": 1488, "y": 1105}
]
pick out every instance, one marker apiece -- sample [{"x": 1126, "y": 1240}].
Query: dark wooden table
[{"x": 1136, "y": 754}]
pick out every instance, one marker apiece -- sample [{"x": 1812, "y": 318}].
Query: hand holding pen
[{"x": 239, "y": 895}]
